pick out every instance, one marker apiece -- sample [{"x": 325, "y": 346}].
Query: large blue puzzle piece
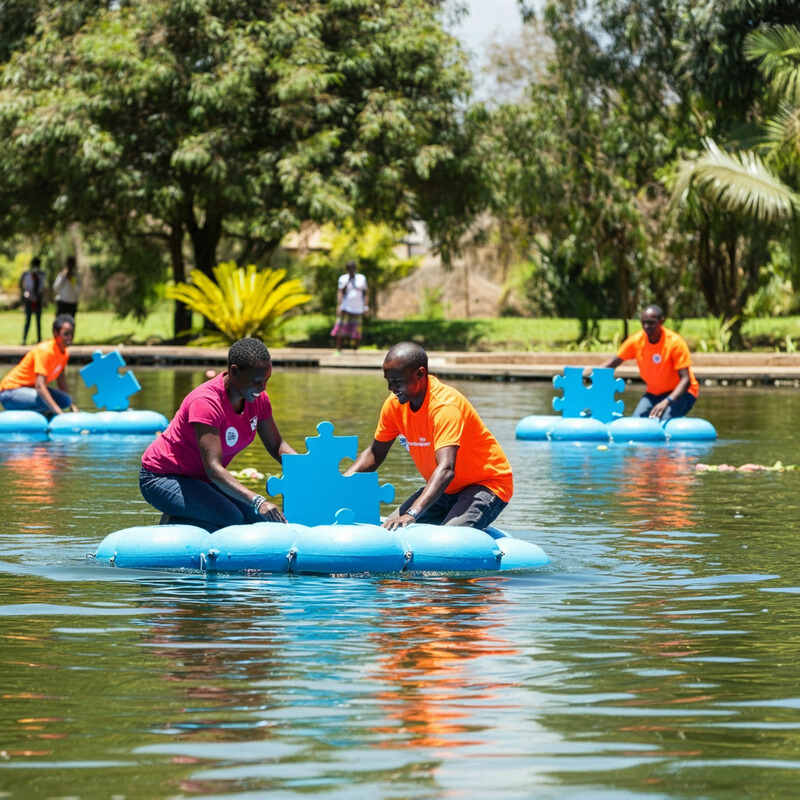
[
  {"x": 595, "y": 401},
  {"x": 314, "y": 490},
  {"x": 113, "y": 388}
]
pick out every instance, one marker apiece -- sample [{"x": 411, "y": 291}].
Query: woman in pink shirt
[{"x": 184, "y": 471}]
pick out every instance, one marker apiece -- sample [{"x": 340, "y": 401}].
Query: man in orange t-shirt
[
  {"x": 25, "y": 387},
  {"x": 468, "y": 477},
  {"x": 665, "y": 366}
]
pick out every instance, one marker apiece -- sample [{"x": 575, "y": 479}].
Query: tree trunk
[{"x": 181, "y": 315}]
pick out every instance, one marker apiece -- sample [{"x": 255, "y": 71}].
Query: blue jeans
[
  {"x": 191, "y": 501},
  {"x": 474, "y": 506},
  {"x": 680, "y": 408},
  {"x": 26, "y": 398}
]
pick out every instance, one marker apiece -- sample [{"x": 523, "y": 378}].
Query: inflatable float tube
[
  {"x": 30, "y": 425},
  {"x": 540, "y": 427},
  {"x": 319, "y": 549}
]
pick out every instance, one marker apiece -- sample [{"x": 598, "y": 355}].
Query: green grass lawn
[{"x": 502, "y": 333}]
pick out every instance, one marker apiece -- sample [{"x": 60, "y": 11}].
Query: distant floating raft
[
  {"x": 319, "y": 550},
  {"x": 30, "y": 425},
  {"x": 539, "y": 427}
]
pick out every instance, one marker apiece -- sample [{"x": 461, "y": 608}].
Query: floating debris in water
[{"x": 778, "y": 466}]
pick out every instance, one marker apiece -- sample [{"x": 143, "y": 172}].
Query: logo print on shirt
[
  {"x": 656, "y": 358},
  {"x": 231, "y": 436},
  {"x": 403, "y": 441},
  {"x": 253, "y": 423}
]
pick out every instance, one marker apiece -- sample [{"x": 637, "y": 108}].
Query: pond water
[{"x": 658, "y": 656}]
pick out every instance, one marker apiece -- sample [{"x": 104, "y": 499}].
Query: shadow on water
[{"x": 656, "y": 657}]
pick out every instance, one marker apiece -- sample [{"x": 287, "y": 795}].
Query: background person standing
[
  {"x": 65, "y": 288},
  {"x": 32, "y": 285},
  {"x": 351, "y": 304}
]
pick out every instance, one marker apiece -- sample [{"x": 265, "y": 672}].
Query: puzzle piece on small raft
[
  {"x": 597, "y": 399},
  {"x": 113, "y": 388},
  {"x": 314, "y": 489}
]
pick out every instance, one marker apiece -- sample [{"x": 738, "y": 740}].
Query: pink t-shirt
[{"x": 177, "y": 452}]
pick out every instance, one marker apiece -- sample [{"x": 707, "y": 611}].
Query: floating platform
[
  {"x": 337, "y": 549},
  {"x": 32, "y": 426},
  {"x": 544, "y": 427}
]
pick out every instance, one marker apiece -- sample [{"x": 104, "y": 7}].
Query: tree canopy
[{"x": 224, "y": 118}]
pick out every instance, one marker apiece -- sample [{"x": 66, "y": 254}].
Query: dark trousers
[
  {"x": 680, "y": 408},
  {"x": 66, "y": 308},
  {"x": 32, "y": 307},
  {"x": 193, "y": 502},
  {"x": 474, "y": 506}
]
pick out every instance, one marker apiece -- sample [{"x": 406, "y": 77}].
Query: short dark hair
[
  {"x": 61, "y": 320},
  {"x": 657, "y": 310},
  {"x": 36, "y": 261},
  {"x": 246, "y": 353},
  {"x": 410, "y": 353}
]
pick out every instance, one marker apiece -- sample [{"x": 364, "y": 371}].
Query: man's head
[
  {"x": 351, "y": 267},
  {"x": 36, "y": 262},
  {"x": 652, "y": 321},
  {"x": 405, "y": 368},
  {"x": 72, "y": 265},
  {"x": 64, "y": 330},
  {"x": 249, "y": 367}
]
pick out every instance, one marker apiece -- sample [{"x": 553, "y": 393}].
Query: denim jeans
[
  {"x": 474, "y": 506},
  {"x": 680, "y": 408},
  {"x": 193, "y": 502},
  {"x": 26, "y": 398}
]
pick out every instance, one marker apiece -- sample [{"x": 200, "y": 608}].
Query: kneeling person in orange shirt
[
  {"x": 25, "y": 387},
  {"x": 468, "y": 476},
  {"x": 665, "y": 366}
]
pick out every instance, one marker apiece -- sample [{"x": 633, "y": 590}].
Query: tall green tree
[{"x": 192, "y": 120}]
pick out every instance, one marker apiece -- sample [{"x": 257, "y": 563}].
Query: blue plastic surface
[
  {"x": 584, "y": 429},
  {"x": 690, "y": 429},
  {"x": 595, "y": 401},
  {"x": 636, "y": 429},
  {"x": 318, "y": 550},
  {"x": 22, "y": 426},
  {"x": 134, "y": 421},
  {"x": 113, "y": 388},
  {"x": 314, "y": 489},
  {"x": 624, "y": 430},
  {"x": 536, "y": 427}
]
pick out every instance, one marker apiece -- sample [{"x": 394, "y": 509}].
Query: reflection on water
[{"x": 656, "y": 657}]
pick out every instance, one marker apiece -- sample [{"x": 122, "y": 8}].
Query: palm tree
[{"x": 745, "y": 186}]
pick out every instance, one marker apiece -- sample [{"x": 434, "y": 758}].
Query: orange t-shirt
[
  {"x": 659, "y": 363},
  {"x": 44, "y": 359},
  {"x": 446, "y": 418}
]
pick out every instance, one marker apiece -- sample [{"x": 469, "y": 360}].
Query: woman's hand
[{"x": 270, "y": 512}]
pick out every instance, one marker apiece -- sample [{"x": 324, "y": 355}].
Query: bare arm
[
  {"x": 440, "y": 479},
  {"x": 658, "y": 409},
  {"x": 370, "y": 459},
  {"x": 274, "y": 443},
  {"x": 41, "y": 389},
  {"x": 61, "y": 381},
  {"x": 612, "y": 362},
  {"x": 211, "y": 454}
]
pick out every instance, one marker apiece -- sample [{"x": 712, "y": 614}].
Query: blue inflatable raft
[
  {"x": 319, "y": 550},
  {"x": 30, "y": 425},
  {"x": 541, "y": 427}
]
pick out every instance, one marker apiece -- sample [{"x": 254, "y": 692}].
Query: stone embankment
[{"x": 777, "y": 369}]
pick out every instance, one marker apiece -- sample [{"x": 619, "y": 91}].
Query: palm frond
[
  {"x": 778, "y": 49},
  {"x": 738, "y": 182}
]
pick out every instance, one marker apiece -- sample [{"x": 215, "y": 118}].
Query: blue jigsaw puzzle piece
[
  {"x": 113, "y": 388},
  {"x": 314, "y": 489},
  {"x": 595, "y": 401}
]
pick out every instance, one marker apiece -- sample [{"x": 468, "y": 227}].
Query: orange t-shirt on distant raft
[
  {"x": 45, "y": 359},
  {"x": 659, "y": 363},
  {"x": 447, "y": 418}
]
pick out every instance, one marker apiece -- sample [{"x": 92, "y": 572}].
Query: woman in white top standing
[
  {"x": 65, "y": 288},
  {"x": 351, "y": 304}
]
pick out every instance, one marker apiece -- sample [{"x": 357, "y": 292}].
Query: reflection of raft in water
[{"x": 320, "y": 549}]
